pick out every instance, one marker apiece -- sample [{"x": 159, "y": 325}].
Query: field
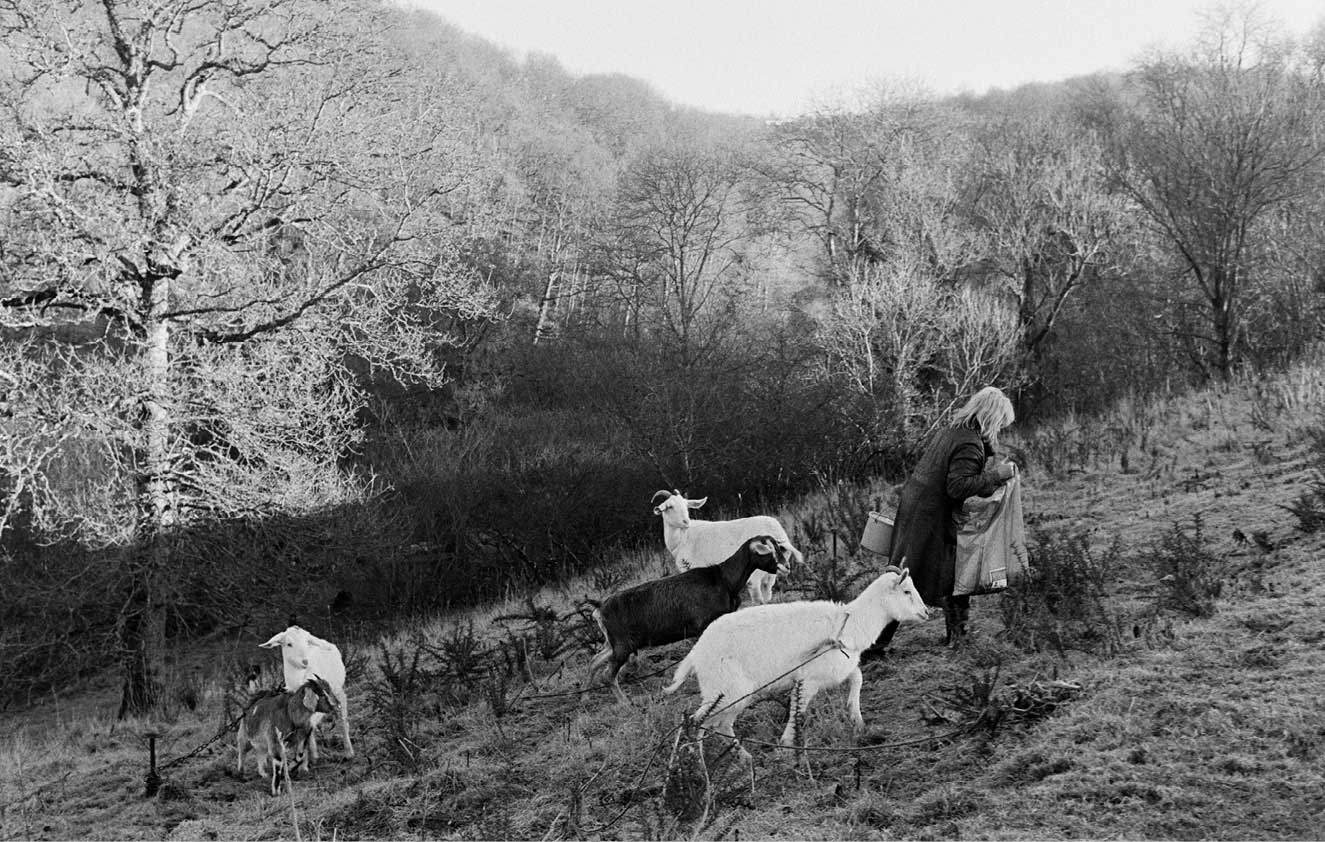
[{"x": 1148, "y": 721}]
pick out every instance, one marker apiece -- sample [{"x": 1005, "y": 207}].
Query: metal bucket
[{"x": 878, "y": 536}]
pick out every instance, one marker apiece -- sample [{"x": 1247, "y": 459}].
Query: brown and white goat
[{"x": 279, "y": 727}]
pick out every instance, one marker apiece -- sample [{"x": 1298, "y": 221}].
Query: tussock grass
[{"x": 1189, "y": 727}]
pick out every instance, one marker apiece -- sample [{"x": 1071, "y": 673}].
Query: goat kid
[
  {"x": 280, "y": 727},
  {"x": 700, "y": 543},
  {"x": 803, "y": 647},
  {"x": 676, "y": 607},
  {"x": 304, "y": 655}
]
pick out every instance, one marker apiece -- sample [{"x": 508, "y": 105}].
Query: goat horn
[{"x": 661, "y": 494}]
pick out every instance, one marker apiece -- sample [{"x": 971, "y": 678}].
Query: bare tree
[
  {"x": 904, "y": 332},
  {"x": 1213, "y": 143},
  {"x": 1050, "y": 222},
  {"x": 566, "y": 180},
  {"x": 679, "y": 239},
  {"x": 227, "y": 199},
  {"x": 907, "y": 346},
  {"x": 841, "y": 170}
]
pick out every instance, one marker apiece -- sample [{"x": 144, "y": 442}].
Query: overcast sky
[{"x": 772, "y": 57}]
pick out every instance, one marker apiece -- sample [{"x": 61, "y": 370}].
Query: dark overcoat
[{"x": 951, "y": 469}]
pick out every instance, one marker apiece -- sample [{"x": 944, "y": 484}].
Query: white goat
[
  {"x": 304, "y": 656},
  {"x": 703, "y": 543},
  {"x": 801, "y": 646}
]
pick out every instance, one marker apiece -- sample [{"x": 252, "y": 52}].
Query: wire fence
[{"x": 657, "y": 757}]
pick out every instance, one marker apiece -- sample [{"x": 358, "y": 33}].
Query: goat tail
[{"x": 683, "y": 671}]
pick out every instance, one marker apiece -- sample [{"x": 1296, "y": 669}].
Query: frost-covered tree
[{"x": 210, "y": 206}]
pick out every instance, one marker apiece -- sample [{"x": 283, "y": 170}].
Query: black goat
[{"x": 676, "y": 607}]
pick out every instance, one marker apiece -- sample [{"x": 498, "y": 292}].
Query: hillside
[{"x": 1163, "y": 724}]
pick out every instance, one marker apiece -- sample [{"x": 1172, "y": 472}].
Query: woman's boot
[
  {"x": 956, "y": 610},
  {"x": 950, "y": 621}
]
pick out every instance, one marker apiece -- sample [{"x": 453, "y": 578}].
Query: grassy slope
[{"x": 1206, "y": 728}]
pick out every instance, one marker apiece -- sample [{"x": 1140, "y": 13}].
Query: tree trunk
[
  {"x": 143, "y": 618},
  {"x": 1225, "y": 324},
  {"x": 141, "y": 630},
  {"x": 547, "y": 307}
]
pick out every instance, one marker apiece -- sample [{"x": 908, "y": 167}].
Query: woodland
[{"x": 315, "y": 307}]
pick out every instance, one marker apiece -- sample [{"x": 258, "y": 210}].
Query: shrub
[
  {"x": 58, "y": 608},
  {"x": 1191, "y": 575},
  {"x": 846, "y": 507},
  {"x": 1062, "y": 601},
  {"x": 829, "y": 537},
  {"x": 981, "y": 700},
  {"x": 826, "y": 573},
  {"x": 396, "y": 701},
  {"x": 547, "y": 633},
  {"x": 829, "y": 576},
  {"x": 462, "y": 660},
  {"x": 1309, "y": 507}
]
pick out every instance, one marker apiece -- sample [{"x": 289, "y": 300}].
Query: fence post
[{"x": 153, "y": 779}]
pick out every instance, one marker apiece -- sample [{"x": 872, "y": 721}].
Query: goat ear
[
  {"x": 276, "y": 640},
  {"x": 309, "y": 699},
  {"x": 695, "y": 504},
  {"x": 763, "y": 545}
]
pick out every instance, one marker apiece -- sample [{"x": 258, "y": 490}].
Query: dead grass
[{"x": 1198, "y": 728}]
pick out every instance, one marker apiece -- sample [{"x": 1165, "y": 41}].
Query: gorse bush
[
  {"x": 462, "y": 660},
  {"x": 396, "y": 701},
  {"x": 825, "y": 575},
  {"x": 57, "y": 618},
  {"x": 1062, "y": 602},
  {"x": 1192, "y": 577},
  {"x": 829, "y": 537},
  {"x": 512, "y": 500},
  {"x": 1309, "y": 507},
  {"x": 846, "y": 508},
  {"x": 547, "y": 633}
]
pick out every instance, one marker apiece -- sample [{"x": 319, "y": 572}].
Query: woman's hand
[{"x": 1005, "y": 471}]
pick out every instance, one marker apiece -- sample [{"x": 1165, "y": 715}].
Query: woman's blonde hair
[{"x": 990, "y": 409}]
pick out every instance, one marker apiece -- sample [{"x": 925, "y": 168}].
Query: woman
[{"x": 951, "y": 470}]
